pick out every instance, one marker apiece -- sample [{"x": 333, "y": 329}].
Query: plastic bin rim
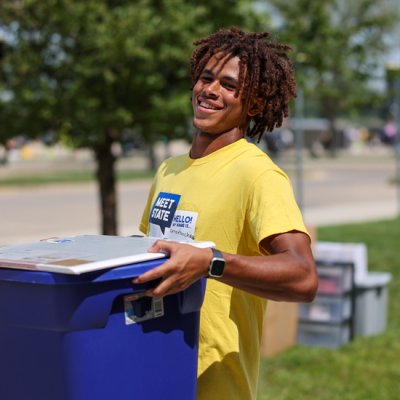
[
  {"x": 373, "y": 279},
  {"x": 104, "y": 275}
]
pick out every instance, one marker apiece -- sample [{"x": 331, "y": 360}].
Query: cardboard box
[
  {"x": 280, "y": 328},
  {"x": 281, "y": 321}
]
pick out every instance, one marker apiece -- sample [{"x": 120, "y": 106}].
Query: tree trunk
[
  {"x": 152, "y": 157},
  {"x": 106, "y": 179}
]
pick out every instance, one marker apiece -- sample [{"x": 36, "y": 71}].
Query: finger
[
  {"x": 160, "y": 246},
  {"x": 155, "y": 273},
  {"x": 161, "y": 290},
  {"x": 164, "y": 288}
]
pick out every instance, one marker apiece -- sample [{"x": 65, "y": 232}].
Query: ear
[{"x": 255, "y": 107}]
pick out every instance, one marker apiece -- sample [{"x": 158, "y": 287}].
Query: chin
[
  {"x": 200, "y": 128},
  {"x": 207, "y": 131}
]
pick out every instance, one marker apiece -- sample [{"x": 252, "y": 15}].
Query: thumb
[{"x": 160, "y": 246}]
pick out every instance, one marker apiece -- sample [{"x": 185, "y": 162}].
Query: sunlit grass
[
  {"x": 46, "y": 178},
  {"x": 366, "y": 369}
]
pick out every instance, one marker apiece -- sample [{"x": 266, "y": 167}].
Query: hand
[{"x": 186, "y": 264}]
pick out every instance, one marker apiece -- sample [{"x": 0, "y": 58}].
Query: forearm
[{"x": 280, "y": 277}]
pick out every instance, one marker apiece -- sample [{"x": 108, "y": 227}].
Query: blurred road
[{"x": 337, "y": 190}]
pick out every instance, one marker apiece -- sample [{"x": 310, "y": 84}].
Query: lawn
[
  {"x": 367, "y": 368},
  {"x": 60, "y": 177}
]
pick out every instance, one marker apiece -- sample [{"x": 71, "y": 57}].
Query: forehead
[{"x": 223, "y": 65}]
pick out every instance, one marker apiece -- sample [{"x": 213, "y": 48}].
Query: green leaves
[
  {"x": 340, "y": 45},
  {"x": 103, "y": 65}
]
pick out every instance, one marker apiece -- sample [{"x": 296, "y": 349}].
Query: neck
[{"x": 205, "y": 143}]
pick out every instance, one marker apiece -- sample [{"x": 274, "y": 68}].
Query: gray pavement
[{"x": 349, "y": 188}]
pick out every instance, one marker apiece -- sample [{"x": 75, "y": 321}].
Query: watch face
[{"x": 217, "y": 268}]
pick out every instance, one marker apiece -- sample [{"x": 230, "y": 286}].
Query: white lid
[
  {"x": 355, "y": 253},
  {"x": 373, "y": 279}
]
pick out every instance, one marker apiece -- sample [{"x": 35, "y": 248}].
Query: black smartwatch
[{"x": 217, "y": 265}]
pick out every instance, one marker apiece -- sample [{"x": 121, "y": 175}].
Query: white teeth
[{"x": 206, "y": 105}]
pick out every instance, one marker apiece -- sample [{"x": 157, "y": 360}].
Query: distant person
[
  {"x": 279, "y": 140},
  {"x": 390, "y": 132},
  {"x": 228, "y": 191}
]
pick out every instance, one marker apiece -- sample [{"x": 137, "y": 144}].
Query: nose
[{"x": 212, "y": 88}]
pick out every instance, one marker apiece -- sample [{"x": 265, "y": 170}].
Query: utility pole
[{"x": 299, "y": 144}]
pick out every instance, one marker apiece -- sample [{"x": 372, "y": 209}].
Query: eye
[
  {"x": 229, "y": 85},
  {"x": 205, "y": 78}
]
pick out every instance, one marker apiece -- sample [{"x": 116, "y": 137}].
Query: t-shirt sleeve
[
  {"x": 144, "y": 223},
  {"x": 272, "y": 206}
]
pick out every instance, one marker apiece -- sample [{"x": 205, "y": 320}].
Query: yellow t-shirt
[{"x": 234, "y": 197}]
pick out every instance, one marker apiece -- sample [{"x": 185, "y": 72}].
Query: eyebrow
[{"x": 230, "y": 78}]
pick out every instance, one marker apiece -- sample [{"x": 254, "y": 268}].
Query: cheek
[
  {"x": 196, "y": 88},
  {"x": 194, "y": 95},
  {"x": 236, "y": 110}
]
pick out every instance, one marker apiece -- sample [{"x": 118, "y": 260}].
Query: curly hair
[{"x": 266, "y": 74}]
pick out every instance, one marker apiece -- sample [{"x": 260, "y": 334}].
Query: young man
[{"x": 229, "y": 192}]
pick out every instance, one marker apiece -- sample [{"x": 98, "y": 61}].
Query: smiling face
[{"x": 215, "y": 107}]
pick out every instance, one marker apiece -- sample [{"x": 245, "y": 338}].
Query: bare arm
[{"x": 288, "y": 274}]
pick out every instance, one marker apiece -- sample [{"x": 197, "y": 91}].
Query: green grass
[
  {"x": 366, "y": 369},
  {"x": 68, "y": 177}
]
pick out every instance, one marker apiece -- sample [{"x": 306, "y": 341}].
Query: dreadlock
[{"x": 269, "y": 79}]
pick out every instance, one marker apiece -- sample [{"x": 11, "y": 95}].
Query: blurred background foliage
[
  {"x": 93, "y": 69},
  {"x": 339, "y": 51}
]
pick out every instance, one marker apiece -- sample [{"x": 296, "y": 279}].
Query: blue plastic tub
[{"x": 65, "y": 337}]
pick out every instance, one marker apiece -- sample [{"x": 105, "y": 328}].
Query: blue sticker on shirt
[{"x": 164, "y": 209}]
